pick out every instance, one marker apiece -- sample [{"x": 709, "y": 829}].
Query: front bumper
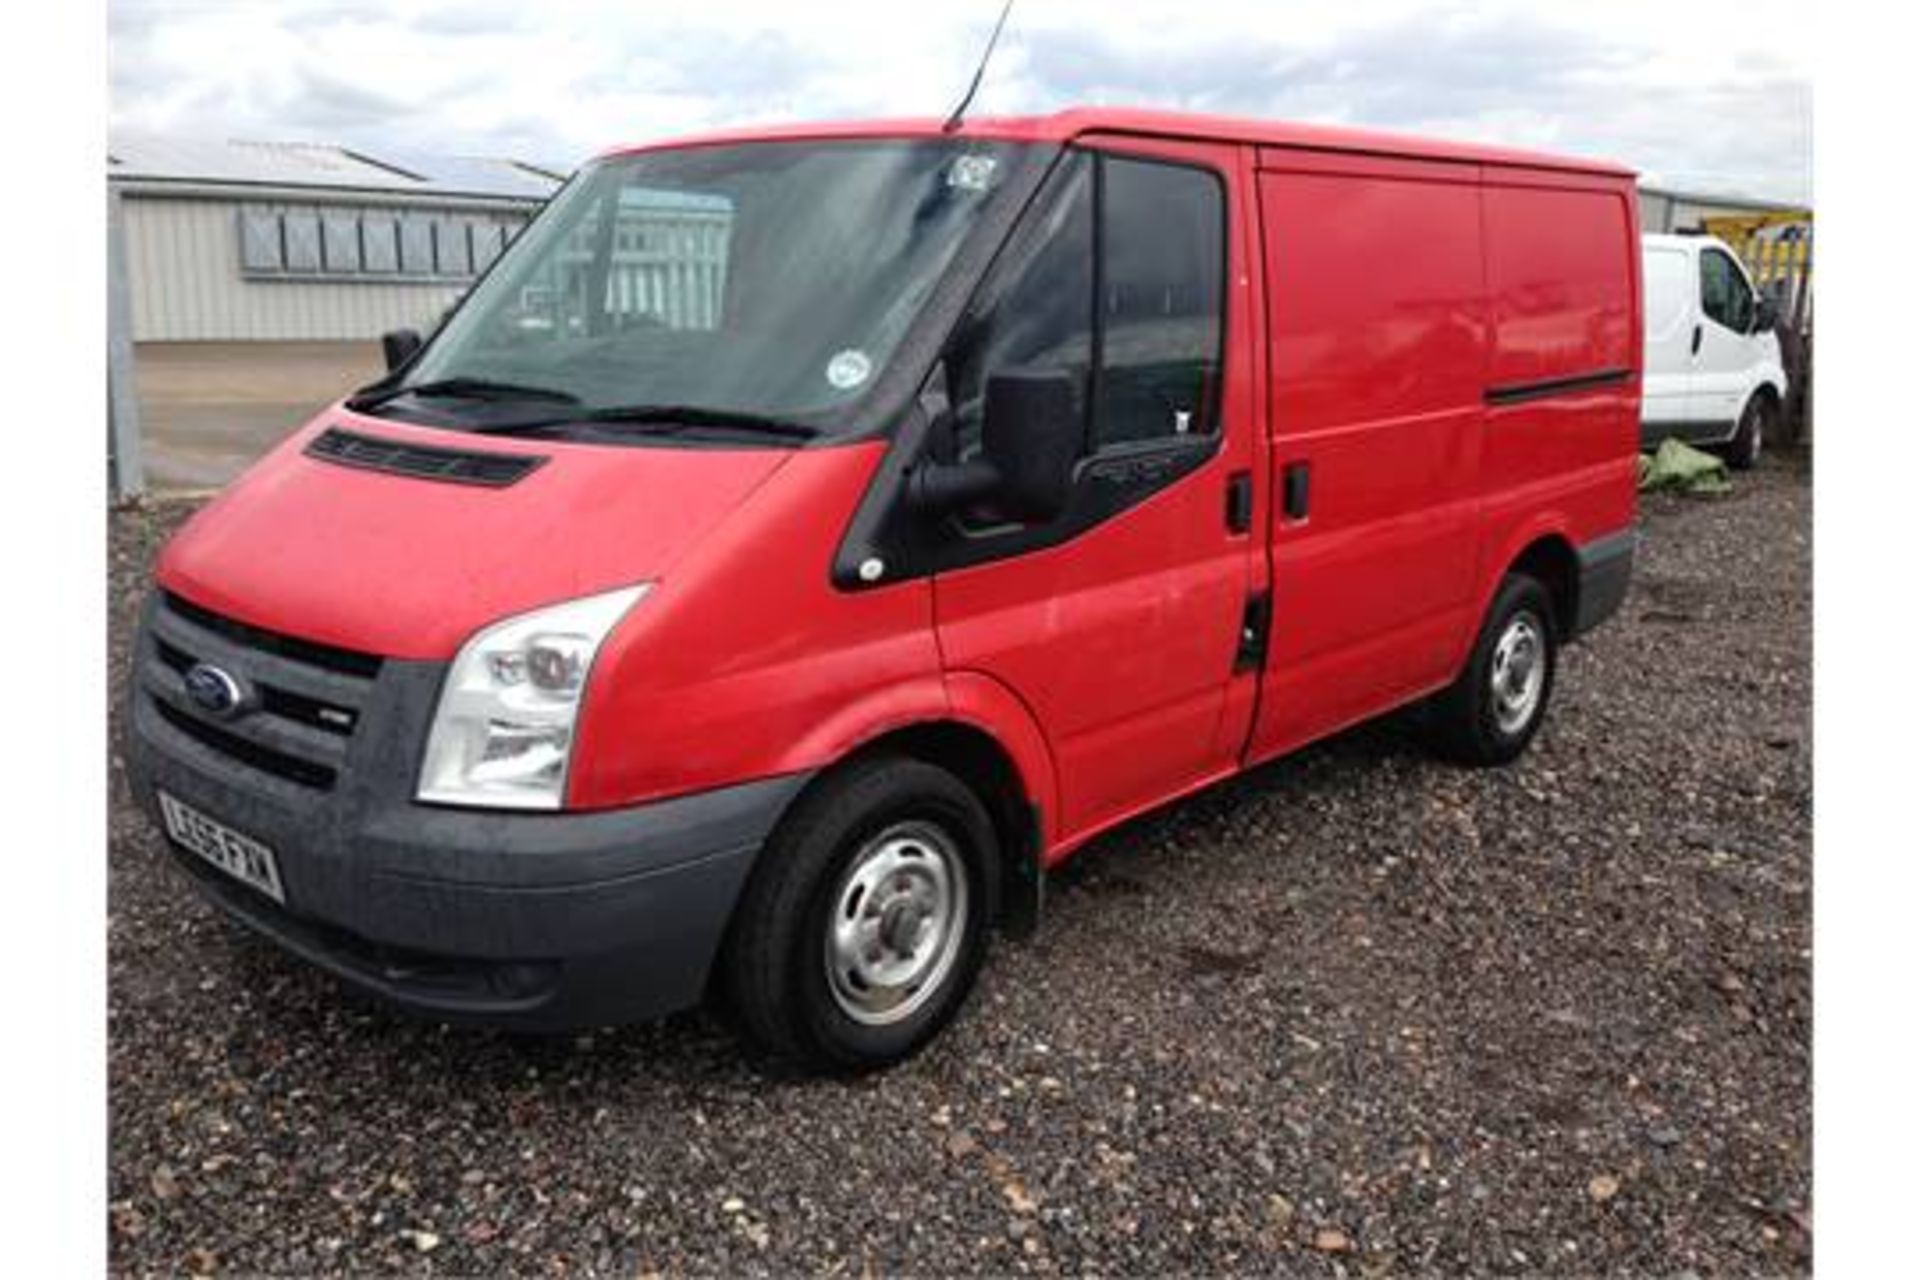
[{"x": 530, "y": 921}]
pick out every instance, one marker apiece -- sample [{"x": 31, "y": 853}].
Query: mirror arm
[
  {"x": 400, "y": 346},
  {"x": 948, "y": 486}
]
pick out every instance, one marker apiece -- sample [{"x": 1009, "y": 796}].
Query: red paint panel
[
  {"x": 1562, "y": 289},
  {"x": 409, "y": 568},
  {"x": 747, "y": 661},
  {"x": 1563, "y": 266},
  {"x": 1296, "y": 140},
  {"x": 1377, "y": 358}
]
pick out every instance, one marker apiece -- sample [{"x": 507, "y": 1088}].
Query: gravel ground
[{"x": 1354, "y": 1013}]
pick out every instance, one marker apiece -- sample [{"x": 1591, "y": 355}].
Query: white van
[{"x": 1713, "y": 371}]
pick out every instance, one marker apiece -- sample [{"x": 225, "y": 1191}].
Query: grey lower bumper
[
  {"x": 532, "y": 921},
  {"x": 1606, "y": 570}
]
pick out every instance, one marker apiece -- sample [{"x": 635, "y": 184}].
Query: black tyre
[
  {"x": 1490, "y": 714},
  {"x": 1749, "y": 438},
  {"x": 866, "y": 920}
]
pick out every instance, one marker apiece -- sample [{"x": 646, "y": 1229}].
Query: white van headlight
[{"x": 502, "y": 735}]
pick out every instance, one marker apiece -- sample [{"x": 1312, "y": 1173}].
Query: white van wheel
[{"x": 1750, "y": 437}]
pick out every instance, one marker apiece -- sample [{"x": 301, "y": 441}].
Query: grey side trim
[
  {"x": 1704, "y": 431},
  {"x": 1606, "y": 570}
]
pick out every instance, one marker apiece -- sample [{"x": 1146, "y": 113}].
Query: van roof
[{"x": 1064, "y": 126}]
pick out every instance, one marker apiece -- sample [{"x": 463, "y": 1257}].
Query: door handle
[
  {"x": 1296, "y": 489},
  {"x": 1240, "y": 502},
  {"x": 1696, "y": 340}
]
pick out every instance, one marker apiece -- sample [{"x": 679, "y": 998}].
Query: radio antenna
[{"x": 953, "y": 121}]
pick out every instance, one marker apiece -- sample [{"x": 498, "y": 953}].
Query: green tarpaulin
[{"x": 1681, "y": 468}]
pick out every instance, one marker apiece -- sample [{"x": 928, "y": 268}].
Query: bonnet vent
[{"x": 423, "y": 462}]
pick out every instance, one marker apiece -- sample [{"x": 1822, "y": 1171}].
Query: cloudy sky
[{"x": 1694, "y": 93}]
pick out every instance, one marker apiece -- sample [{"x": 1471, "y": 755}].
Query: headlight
[{"x": 503, "y": 733}]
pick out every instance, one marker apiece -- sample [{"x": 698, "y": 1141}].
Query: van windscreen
[{"x": 764, "y": 280}]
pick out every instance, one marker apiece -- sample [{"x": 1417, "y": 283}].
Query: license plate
[{"x": 240, "y": 856}]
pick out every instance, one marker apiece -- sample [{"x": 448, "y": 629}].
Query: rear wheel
[
  {"x": 1491, "y": 712},
  {"x": 1749, "y": 438},
  {"x": 866, "y": 921}
]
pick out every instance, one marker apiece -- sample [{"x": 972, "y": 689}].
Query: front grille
[
  {"x": 304, "y": 699},
  {"x": 285, "y": 703},
  {"x": 424, "y": 462},
  {"x": 278, "y": 763}
]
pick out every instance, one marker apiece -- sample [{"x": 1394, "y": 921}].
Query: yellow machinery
[{"x": 1777, "y": 247}]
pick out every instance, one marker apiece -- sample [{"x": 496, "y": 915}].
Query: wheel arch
[
  {"x": 997, "y": 753},
  {"x": 980, "y": 761},
  {"x": 1551, "y": 560},
  {"x": 1543, "y": 547}
]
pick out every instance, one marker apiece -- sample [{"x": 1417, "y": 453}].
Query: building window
[
  {"x": 260, "y": 240},
  {"x": 488, "y": 239},
  {"x": 379, "y": 244},
  {"x": 341, "y": 242},
  {"x": 300, "y": 228},
  {"x": 416, "y": 246},
  {"x": 452, "y": 253}
]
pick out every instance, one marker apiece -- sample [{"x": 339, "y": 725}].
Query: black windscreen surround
[{"x": 1035, "y": 311}]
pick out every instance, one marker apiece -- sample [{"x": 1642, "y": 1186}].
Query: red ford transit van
[{"x": 802, "y": 539}]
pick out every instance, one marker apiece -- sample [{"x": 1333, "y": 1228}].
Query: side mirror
[
  {"x": 1029, "y": 441},
  {"x": 1765, "y": 315},
  {"x": 400, "y": 346}
]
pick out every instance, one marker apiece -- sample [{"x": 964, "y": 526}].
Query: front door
[
  {"x": 1722, "y": 371},
  {"x": 1118, "y": 624}
]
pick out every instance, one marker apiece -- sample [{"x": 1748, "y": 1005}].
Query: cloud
[{"x": 1710, "y": 94}]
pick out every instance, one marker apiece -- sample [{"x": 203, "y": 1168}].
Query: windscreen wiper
[
  {"x": 470, "y": 388},
  {"x": 667, "y": 419}
]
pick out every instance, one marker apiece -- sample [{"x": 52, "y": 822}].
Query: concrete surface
[{"x": 208, "y": 409}]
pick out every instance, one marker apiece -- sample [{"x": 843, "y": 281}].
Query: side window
[
  {"x": 1155, "y": 326},
  {"x": 1036, "y": 309},
  {"x": 1162, "y": 237},
  {"x": 1724, "y": 295}
]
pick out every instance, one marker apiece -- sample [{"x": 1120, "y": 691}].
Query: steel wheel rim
[
  {"x": 898, "y": 918},
  {"x": 1519, "y": 672}
]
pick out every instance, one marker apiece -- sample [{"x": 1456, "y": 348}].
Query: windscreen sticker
[
  {"x": 972, "y": 172},
  {"x": 849, "y": 368}
]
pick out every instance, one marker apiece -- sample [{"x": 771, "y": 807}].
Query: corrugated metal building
[
  {"x": 1665, "y": 210},
  {"x": 240, "y": 241}
]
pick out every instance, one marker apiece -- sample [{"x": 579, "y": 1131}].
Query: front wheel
[
  {"x": 866, "y": 921},
  {"x": 1491, "y": 712},
  {"x": 1749, "y": 438}
]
